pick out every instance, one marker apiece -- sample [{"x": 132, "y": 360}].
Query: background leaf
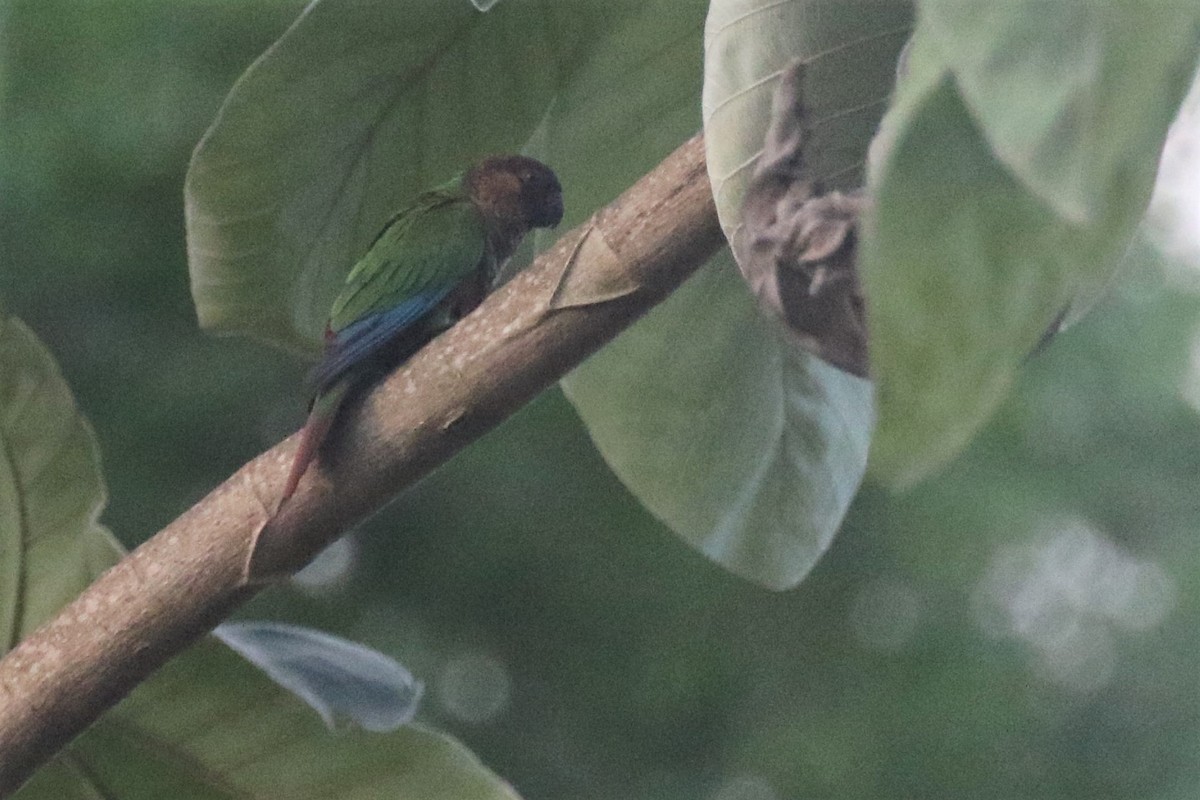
[
  {"x": 208, "y": 726},
  {"x": 358, "y": 107},
  {"x": 749, "y": 450},
  {"x": 1110, "y": 78},
  {"x": 966, "y": 262},
  {"x": 342, "y": 680},
  {"x": 51, "y": 492}
]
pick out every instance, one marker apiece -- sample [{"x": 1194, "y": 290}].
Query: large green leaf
[
  {"x": 1109, "y": 77},
  {"x": 359, "y": 106},
  {"x": 209, "y": 726},
  {"x": 51, "y": 492},
  {"x": 748, "y": 449},
  {"x": 985, "y": 230}
]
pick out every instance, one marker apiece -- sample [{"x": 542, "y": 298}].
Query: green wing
[{"x": 423, "y": 251}]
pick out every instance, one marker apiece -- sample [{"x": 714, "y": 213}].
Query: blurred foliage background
[{"x": 1023, "y": 625}]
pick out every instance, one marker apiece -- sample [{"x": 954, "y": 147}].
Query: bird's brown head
[{"x": 517, "y": 189}]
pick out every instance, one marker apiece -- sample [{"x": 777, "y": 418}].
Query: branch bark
[{"x": 592, "y": 284}]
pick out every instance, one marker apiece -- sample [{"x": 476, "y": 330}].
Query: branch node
[{"x": 605, "y": 279}]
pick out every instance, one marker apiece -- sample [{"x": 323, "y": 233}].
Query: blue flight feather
[{"x": 365, "y": 337}]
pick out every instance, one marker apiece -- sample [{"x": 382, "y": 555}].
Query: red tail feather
[
  {"x": 320, "y": 420},
  {"x": 311, "y": 436}
]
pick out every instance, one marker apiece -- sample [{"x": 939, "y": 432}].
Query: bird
[{"x": 431, "y": 264}]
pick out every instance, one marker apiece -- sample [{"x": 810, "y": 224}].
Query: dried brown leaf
[{"x": 797, "y": 246}]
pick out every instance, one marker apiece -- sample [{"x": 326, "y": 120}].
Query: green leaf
[
  {"x": 208, "y": 726},
  {"x": 338, "y": 678},
  {"x": 748, "y": 449},
  {"x": 51, "y": 491},
  {"x": 966, "y": 260},
  {"x": 358, "y": 107},
  {"x": 1109, "y": 77}
]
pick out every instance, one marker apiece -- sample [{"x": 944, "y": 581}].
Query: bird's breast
[{"x": 467, "y": 296}]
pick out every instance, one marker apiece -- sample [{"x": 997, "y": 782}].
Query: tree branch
[{"x": 592, "y": 284}]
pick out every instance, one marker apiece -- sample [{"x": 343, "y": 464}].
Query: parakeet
[{"x": 433, "y": 263}]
